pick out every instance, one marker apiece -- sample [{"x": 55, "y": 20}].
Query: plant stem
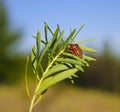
[
  {"x": 32, "y": 104},
  {"x": 34, "y": 96}
]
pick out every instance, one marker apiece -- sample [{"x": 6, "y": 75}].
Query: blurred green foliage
[{"x": 10, "y": 64}]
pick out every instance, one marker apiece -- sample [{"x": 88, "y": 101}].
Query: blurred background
[{"x": 97, "y": 89}]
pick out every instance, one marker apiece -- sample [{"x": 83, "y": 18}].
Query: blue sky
[{"x": 101, "y": 19}]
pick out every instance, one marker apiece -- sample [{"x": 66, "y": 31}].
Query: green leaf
[
  {"x": 56, "y": 68},
  {"x": 58, "y": 27},
  {"x": 78, "y": 31},
  {"x": 33, "y": 59},
  {"x": 45, "y": 49},
  {"x": 38, "y": 43},
  {"x": 34, "y": 62},
  {"x": 80, "y": 68},
  {"x": 52, "y": 43},
  {"x": 70, "y": 55},
  {"x": 50, "y": 81},
  {"x": 68, "y": 60},
  {"x": 26, "y": 78},
  {"x": 67, "y": 41},
  {"x": 88, "y": 58},
  {"x": 46, "y": 33},
  {"x": 55, "y": 45},
  {"x": 87, "y": 49},
  {"x": 48, "y": 28},
  {"x": 34, "y": 36},
  {"x": 83, "y": 41},
  {"x": 54, "y": 38},
  {"x": 43, "y": 42}
]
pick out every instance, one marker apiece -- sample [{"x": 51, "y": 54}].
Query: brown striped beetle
[{"x": 76, "y": 50}]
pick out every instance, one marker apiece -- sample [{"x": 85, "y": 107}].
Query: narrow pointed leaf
[
  {"x": 42, "y": 54},
  {"x": 80, "y": 68},
  {"x": 38, "y": 43},
  {"x": 72, "y": 61},
  {"x": 88, "y": 58},
  {"x": 52, "y": 44},
  {"x": 43, "y": 42},
  {"x": 56, "y": 68},
  {"x": 33, "y": 59},
  {"x": 70, "y": 55},
  {"x": 26, "y": 78},
  {"x": 67, "y": 41},
  {"x": 87, "y": 49},
  {"x": 34, "y": 36},
  {"x": 78, "y": 31},
  {"x": 83, "y": 41},
  {"x": 50, "y": 81},
  {"x": 46, "y": 33},
  {"x": 54, "y": 38},
  {"x": 48, "y": 28},
  {"x": 57, "y": 43},
  {"x": 58, "y": 27}
]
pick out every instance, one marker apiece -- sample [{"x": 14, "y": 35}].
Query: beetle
[{"x": 76, "y": 50}]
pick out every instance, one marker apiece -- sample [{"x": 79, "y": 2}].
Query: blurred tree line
[
  {"x": 103, "y": 74},
  {"x": 11, "y": 65}
]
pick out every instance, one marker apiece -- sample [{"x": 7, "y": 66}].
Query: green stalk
[
  {"x": 34, "y": 95},
  {"x": 33, "y": 103}
]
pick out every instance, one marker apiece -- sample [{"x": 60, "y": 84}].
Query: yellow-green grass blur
[{"x": 60, "y": 98}]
